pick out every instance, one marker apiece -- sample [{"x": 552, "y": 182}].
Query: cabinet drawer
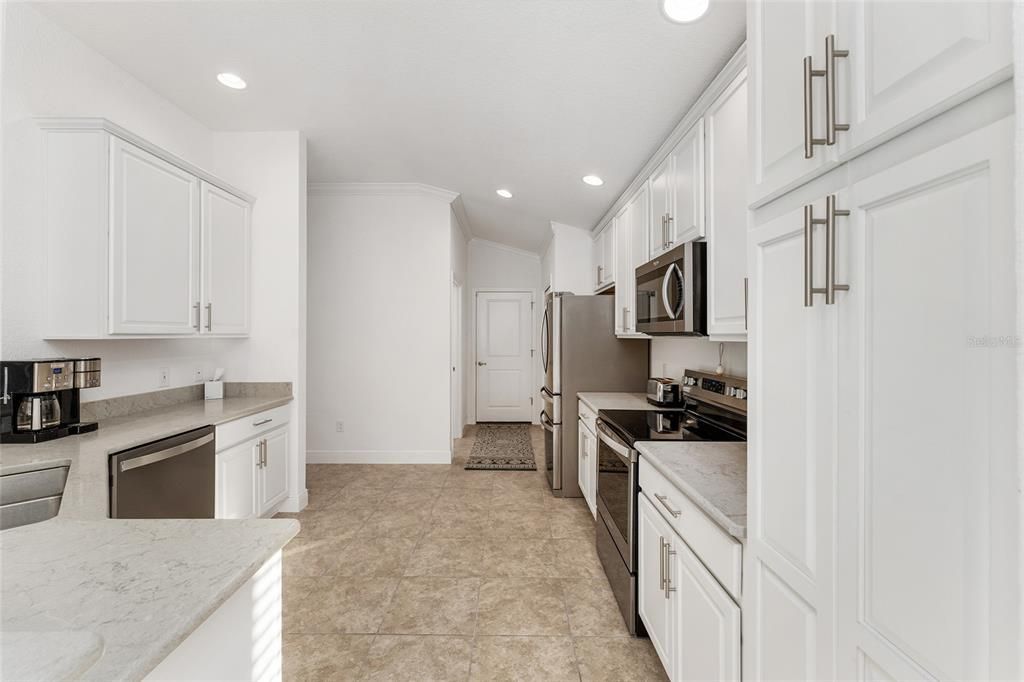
[
  {"x": 249, "y": 427},
  {"x": 719, "y": 551},
  {"x": 589, "y": 417}
]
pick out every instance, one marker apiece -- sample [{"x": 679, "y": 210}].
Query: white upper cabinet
[
  {"x": 780, "y": 34},
  {"x": 154, "y": 243},
  {"x": 908, "y": 59},
  {"x": 726, "y": 224},
  {"x": 226, "y": 258},
  {"x": 831, "y": 80},
  {"x": 604, "y": 257},
  {"x": 139, "y": 242},
  {"x": 631, "y": 233},
  {"x": 686, "y": 219},
  {"x": 661, "y": 208}
]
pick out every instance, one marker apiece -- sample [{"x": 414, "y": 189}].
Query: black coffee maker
[{"x": 41, "y": 398}]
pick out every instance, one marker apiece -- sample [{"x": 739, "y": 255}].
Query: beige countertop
[
  {"x": 617, "y": 401},
  {"x": 97, "y": 598}
]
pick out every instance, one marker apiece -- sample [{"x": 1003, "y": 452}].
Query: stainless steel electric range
[{"x": 715, "y": 410}]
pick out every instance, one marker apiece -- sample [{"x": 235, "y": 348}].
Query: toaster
[{"x": 663, "y": 392}]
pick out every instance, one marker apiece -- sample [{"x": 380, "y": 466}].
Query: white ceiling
[{"x": 469, "y": 95}]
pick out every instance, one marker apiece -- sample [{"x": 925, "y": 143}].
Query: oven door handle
[{"x": 617, "y": 446}]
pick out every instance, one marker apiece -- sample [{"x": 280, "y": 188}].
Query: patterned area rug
[{"x": 502, "y": 446}]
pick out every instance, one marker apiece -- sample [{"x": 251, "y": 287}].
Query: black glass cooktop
[{"x": 640, "y": 425}]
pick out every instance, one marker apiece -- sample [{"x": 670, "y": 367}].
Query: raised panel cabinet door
[
  {"x": 927, "y": 561},
  {"x": 624, "y": 284},
  {"x": 707, "y": 620},
  {"x": 726, "y": 220},
  {"x": 583, "y": 451},
  {"x": 154, "y": 244},
  {"x": 909, "y": 60},
  {"x": 686, "y": 220},
  {"x": 661, "y": 208},
  {"x": 609, "y": 254},
  {"x": 788, "y": 566},
  {"x": 226, "y": 262},
  {"x": 273, "y": 474},
  {"x": 655, "y": 605},
  {"x": 236, "y": 482},
  {"x": 780, "y": 33}
]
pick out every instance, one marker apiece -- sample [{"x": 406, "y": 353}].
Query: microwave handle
[{"x": 669, "y": 310}]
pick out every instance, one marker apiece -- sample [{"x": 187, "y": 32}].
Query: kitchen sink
[{"x": 31, "y": 496}]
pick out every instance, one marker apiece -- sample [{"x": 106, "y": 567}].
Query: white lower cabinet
[
  {"x": 252, "y": 470},
  {"x": 692, "y": 621},
  {"x": 587, "y": 477}
]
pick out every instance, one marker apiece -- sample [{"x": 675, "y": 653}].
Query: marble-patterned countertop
[
  {"x": 87, "y": 489},
  {"x": 109, "y": 600},
  {"x": 617, "y": 401},
  {"x": 88, "y": 597},
  {"x": 713, "y": 475}
]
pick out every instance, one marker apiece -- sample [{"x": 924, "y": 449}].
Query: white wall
[
  {"x": 572, "y": 259},
  {"x": 272, "y": 166},
  {"x": 671, "y": 355},
  {"x": 460, "y": 347},
  {"x": 378, "y": 343},
  {"x": 494, "y": 267}
]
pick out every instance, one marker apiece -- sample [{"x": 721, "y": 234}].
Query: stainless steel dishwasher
[{"x": 172, "y": 478}]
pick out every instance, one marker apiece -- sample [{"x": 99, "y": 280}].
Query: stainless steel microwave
[{"x": 671, "y": 292}]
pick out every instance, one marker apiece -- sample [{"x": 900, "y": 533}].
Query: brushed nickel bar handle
[
  {"x": 669, "y": 552},
  {"x": 809, "y": 222},
  {"x": 831, "y": 213},
  {"x": 831, "y": 54},
  {"x": 198, "y": 323},
  {"x": 810, "y": 141},
  {"x": 209, "y": 317},
  {"x": 668, "y": 228},
  {"x": 662, "y": 498},
  {"x": 263, "y": 421},
  {"x": 661, "y": 562},
  {"x": 264, "y": 453}
]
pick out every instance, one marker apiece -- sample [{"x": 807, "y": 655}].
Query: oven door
[{"x": 616, "y": 491}]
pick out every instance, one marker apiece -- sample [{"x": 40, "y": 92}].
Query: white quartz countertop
[
  {"x": 617, "y": 401},
  {"x": 88, "y": 597},
  {"x": 713, "y": 475},
  {"x": 87, "y": 489},
  {"x": 130, "y": 590}
]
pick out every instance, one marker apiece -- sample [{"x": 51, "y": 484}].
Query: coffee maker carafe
[{"x": 41, "y": 398}]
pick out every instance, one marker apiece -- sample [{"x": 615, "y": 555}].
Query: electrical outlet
[
  {"x": 198, "y": 375},
  {"x": 165, "y": 377},
  {"x": 339, "y": 427}
]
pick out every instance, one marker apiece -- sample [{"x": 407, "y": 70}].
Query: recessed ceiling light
[
  {"x": 231, "y": 80},
  {"x": 593, "y": 180},
  {"x": 683, "y": 11},
  {"x": 504, "y": 193}
]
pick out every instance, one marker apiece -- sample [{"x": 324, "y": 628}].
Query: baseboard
[
  {"x": 378, "y": 457},
  {"x": 289, "y": 507}
]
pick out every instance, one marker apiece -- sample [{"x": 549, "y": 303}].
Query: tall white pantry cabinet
[
  {"x": 139, "y": 242},
  {"x": 882, "y": 523}
]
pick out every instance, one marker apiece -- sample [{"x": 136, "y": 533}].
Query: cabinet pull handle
[
  {"x": 809, "y": 222},
  {"x": 264, "y": 453},
  {"x": 810, "y": 141},
  {"x": 263, "y": 421},
  {"x": 831, "y": 213},
  {"x": 668, "y": 230},
  {"x": 599, "y": 269},
  {"x": 209, "y": 317},
  {"x": 661, "y": 563},
  {"x": 625, "y": 318},
  {"x": 662, "y": 498},
  {"x": 197, "y": 323},
  {"x": 667, "y": 586},
  {"x": 831, "y": 54}
]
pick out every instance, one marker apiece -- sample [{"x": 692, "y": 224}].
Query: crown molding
[
  {"x": 381, "y": 189},
  {"x": 503, "y": 247},
  {"x": 59, "y": 123},
  {"x": 461, "y": 219},
  {"x": 718, "y": 85}
]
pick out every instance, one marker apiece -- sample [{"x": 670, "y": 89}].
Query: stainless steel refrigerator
[{"x": 580, "y": 352}]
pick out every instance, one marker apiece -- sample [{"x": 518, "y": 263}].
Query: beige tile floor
[{"x": 432, "y": 572}]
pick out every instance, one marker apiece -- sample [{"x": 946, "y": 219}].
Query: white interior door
[{"x": 503, "y": 364}]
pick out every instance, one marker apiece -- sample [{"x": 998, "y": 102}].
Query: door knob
[{"x": 481, "y": 364}]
